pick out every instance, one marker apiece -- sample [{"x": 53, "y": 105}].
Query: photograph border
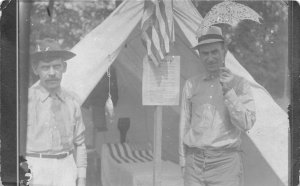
[{"x": 10, "y": 102}]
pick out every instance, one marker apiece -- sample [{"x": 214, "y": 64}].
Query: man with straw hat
[
  {"x": 55, "y": 131},
  {"x": 216, "y": 107}
]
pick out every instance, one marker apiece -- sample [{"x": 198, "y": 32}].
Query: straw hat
[{"x": 213, "y": 35}]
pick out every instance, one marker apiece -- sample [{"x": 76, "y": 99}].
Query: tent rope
[
  {"x": 109, "y": 106},
  {"x": 108, "y": 75}
]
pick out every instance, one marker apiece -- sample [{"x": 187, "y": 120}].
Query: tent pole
[
  {"x": 157, "y": 146},
  {"x": 23, "y": 66}
]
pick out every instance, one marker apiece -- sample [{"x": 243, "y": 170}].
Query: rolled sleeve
[
  {"x": 79, "y": 141},
  {"x": 81, "y": 161},
  {"x": 241, "y": 106},
  {"x": 185, "y": 117}
]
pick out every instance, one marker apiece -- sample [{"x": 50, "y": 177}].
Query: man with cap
[
  {"x": 217, "y": 107},
  {"x": 55, "y": 131}
]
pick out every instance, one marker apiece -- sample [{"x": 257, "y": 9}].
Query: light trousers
[
  {"x": 213, "y": 168},
  {"x": 52, "y": 172}
]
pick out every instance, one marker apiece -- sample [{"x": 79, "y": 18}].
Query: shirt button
[
  {"x": 210, "y": 97},
  {"x": 211, "y": 86}
]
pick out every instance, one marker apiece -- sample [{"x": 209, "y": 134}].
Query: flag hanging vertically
[{"x": 157, "y": 29}]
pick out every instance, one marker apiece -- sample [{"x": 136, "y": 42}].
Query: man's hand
[
  {"x": 226, "y": 79},
  {"x": 81, "y": 182}
]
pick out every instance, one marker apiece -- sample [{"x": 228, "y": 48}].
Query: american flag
[{"x": 158, "y": 29}]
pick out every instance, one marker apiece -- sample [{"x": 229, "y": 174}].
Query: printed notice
[{"x": 161, "y": 84}]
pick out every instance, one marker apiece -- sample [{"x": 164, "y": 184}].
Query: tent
[{"x": 118, "y": 40}]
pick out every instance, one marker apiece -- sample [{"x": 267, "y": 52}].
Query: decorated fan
[{"x": 227, "y": 12}]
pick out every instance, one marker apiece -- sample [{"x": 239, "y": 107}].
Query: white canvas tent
[{"x": 118, "y": 40}]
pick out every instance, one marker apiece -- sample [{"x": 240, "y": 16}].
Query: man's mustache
[{"x": 52, "y": 79}]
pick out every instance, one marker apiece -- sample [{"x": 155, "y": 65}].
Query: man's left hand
[
  {"x": 81, "y": 182},
  {"x": 226, "y": 79}
]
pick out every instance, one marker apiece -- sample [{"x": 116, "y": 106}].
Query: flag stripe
[
  {"x": 126, "y": 151},
  {"x": 148, "y": 47},
  {"x": 157, "y": 29},
  {"x": 156, "y": 42},
  {"x": 161, "y": 50},
  {"x": 112, "y": 154},
  {"x": 148, "y": 12},
  {"x": 134, "y": 154},
  {"x": 141, "y": 153},
  {"x": 122, "y": 153},
  {"x": 162, "y": 25},
  {"x": 119, "y": 153},
  {"x": 168, "y": 6}
]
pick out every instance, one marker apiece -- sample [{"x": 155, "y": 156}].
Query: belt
[
  {"x": 212, "y": 152},
  {"x": 51, "y": 156}
]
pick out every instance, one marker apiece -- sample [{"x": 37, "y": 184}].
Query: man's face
[
  {"x": 212, "y": 55},
  {"x": 50, "y": 73}
]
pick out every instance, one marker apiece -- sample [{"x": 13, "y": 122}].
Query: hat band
[{"x": 210, "y": 36}]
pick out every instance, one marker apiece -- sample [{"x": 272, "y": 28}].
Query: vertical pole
[
  {"x": 23, "y": 76},
  {"x": 157, "y": 146}
]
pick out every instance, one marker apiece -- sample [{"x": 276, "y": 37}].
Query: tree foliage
[
  {"x": 260, "y": 48},
  {"x": 68, "y": 21}
]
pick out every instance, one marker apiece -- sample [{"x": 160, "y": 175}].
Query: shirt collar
[
  {"x": 60, "y": 95},
  {"x": 44, "y": 94},
  {"x": 209, "y": 77}
]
